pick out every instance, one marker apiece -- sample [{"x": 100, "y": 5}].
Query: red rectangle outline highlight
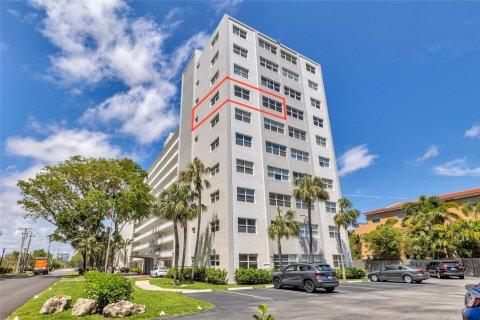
[{"x": 283, "y": 116}]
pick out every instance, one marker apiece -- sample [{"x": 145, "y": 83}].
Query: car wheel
[
  {"x": 330, "y": 289},
  {"x": 309, "y": 286},
  {"x": 438, "y": 275},
  {"x": 374, "y": 278},
  {"x": 462, "y": 277},
  {"x": 407, "y": 278},
  {"x": 277, "y": 283}
]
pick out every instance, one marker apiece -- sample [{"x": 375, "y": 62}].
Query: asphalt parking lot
[{"x": 434, "y": 299}]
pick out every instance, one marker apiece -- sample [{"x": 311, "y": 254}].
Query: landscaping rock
[
  {"x": 56, "y": 304},
  {"x": 122, "y": 309},
  {"x": 84, "y": 307}
]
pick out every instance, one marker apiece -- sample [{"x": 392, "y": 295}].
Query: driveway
[
  {"x": 434, "y": 299},
  {"x": 14, "y": 292}
]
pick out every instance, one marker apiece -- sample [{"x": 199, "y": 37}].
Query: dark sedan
[
  {"x": 308, "y": 276},
  {"x": 446, "y": 269},
  {"x": 399, "y": 272}
]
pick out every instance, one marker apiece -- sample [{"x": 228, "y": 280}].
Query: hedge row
[
  {"x": 351, "y": 273},
  {"x": 252, "y": 276},
  {"x": 4, "y": 270},
  {"x": 200, "y": 273}
]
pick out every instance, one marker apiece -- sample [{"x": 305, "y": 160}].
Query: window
[
  {"x": 243, "y": 140},
  {"x": 214, "y": 78},
  {"x": 215, "y": 120},
  {"x": 272, "y": 104},
  {"x": 215, "y": 169},
  {"x": 337, "y": 261},
  {"x": 197, "y": 83},
  {"x": 247, "y": 225},
  {"x": 244, "y": 166},
  {"x": 248, "y": 261},
  {"x": 376, "y": 219},
  {"x": 242, "y": 115},
  {"x": 290, "y": 74},
  {"x": 240, "y": 71},
  {"x": 267, "y": 46},
  {"x": 324, "y": 162},
  {"x": 328, "y": 183},
  {"x": 316, "y": 258},
  {"x": 196, "y": 139},
  {"x": 215, "y": 226},
  {"x": 297, "y": 133},
  {"x": 214, "y": 59},
  {"x": 277, "y": 173},
  {"x": 294, "y": 113},
  {"x": 215, "y": 98},
  {"x": 297, "y": 175},
  {"x": 273, "y": 125},
  {"x": 214, "y": 40},
  {"x": 245, "y": 195},
  {"x": 321, "y": 141},
  {"x": 287, "y": 56},
  {"x": 196, "y": 119},
  {"x": 310, "y": 68},
  {"x": 299, "y": 155},
  {"x": 293, "y": 93},
  {"x": 287, "y": 259},
  {"x": 300, "y": 204},
  {"x": 471, "y": 201},
  {"x": 198, "y": 65},
  {"x": 214, "y": 145},
  {"x": 305, "y": 231},
  {"x": 331, "y": 207},
  {"x": 240, "y": 51},
  {"x": 270, "y": 84},
  {"x": 333, "y": 231},
  {"x": 242, "y": 92},
  {"x": 313, "y": 85},
  {"x": 315, "y": 103},
  {"x": 317, "y": 122},
  {"x": 214, "y": 260},
  {"x": 239, "y": 32},
  {"x": 268, "y": 64},
  {"x": 277, "y": 149},
  {"x": 215, "y": 196},
  {"x": 280, "y": 200},
  {"x": 400, "y": 215}
]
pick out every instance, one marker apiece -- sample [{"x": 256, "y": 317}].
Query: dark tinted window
[
  {"x": 323, "y": 267},
  {"x": 389, "y": 268},
  {"x": 450, "y": 264}
]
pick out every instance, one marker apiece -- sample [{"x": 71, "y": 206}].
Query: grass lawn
[
  {"x": 156, "y": 301},
  {"x": 168, "y": 284}
]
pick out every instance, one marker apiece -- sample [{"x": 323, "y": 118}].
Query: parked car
[
  {"x": 124, "y": 270},
  {"x": 472, "y": 303},
  {"x": 308, "y": 276},
  {"x": 159, "y": 272},
  {"x": 399, "y": 272},
  {"x": 446, "y": 269}
]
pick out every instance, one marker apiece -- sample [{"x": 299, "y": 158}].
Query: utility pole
[
  {"x": 109, "y": 235},
  {"x": 1, "y": 260},
  {"x": 24, "y": 236},
  {"x": 25, "y": 263},
  {"x": 48, "y": 253}
]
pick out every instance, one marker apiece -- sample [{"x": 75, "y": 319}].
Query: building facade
[
  {"x": 380, "y": 216},
  {"x": 255, "y": 112}
]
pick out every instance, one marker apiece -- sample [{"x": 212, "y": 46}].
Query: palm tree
[
  {"x": 125, "y": 243},
  {"x": 283, "y": 227},
  {"x": 169, "y": 206},
  {"x": 471, "y": 210},
  {"x": 427, "y": 212},
  {"x": 310, "y": 189},
  {"x": 345, "y": 217},
  {"x": 193, "y": 175}
]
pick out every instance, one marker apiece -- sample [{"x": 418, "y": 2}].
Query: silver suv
[{"x": 308, "y": 276}]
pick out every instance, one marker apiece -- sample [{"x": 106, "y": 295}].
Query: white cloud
[
  {"x": 430, "y": 153},
  {"x": 473, "y": 132},
  {"x": 221, "y": 6},
  {"x": 457, "y": 168},
  {"x": 355, "y": 159}
]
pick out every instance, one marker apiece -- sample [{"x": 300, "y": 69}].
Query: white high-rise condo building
[{"x": 255, "y": 112}]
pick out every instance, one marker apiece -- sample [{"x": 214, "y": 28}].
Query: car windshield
[{"x": 323, "y": 267}]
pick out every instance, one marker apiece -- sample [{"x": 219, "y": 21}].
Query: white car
[{"x": 159, "y": 272}]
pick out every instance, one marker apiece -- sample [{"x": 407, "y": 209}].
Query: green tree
[
  {"x": 310, "y": 189},
  {"x": 345, "y": 217},
  {"x": 76, "y": 260},
  {"x": 465, "y": 237},
  {"x": 125, "y": 243},
  {"x": 471, "y": 210},
  {"x": 283, "y": 227},
  {"x": 77, "y": 195},
  {"x": 194, "y": 176},
  {"x": 385, "y": 242},
  {"x": 355, "y": 243},
  {"x": 187, "y": 212}
]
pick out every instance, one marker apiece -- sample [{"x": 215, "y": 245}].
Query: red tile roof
[{"x": 447, "y": 196}]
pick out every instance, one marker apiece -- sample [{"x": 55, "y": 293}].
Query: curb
[
  {"x": 239, "y": 288},
  {"x": 197, "y": 291}
]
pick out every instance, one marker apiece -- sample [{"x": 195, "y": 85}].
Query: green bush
[
  {"x": 136, "y": 270},
  {"x": 216, "y": 276},
  {"x": 252, "y": 276},
  {"x": 351, "y": 273},
  {"x": 200, "y": 273},
  {"x": 4, "y": 270},
  {"x": 107, "y": 288}
]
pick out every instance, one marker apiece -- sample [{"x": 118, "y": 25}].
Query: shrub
[
  {"x": 216, "y": 276},
  {"x": 4, "y": 270},
  {"x": 200, "y": 273},
  {"x": 351, "y": 273},
  {"x": 107, "y": 288},
  {"x": 252, "y": 276},
  {"x": 136, "y": 270}
]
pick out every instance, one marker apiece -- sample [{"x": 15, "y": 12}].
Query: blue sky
[{"x": 402, "y": 81}]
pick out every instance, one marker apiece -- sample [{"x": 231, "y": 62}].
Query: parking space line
[{"x": 249, "y": 295}]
